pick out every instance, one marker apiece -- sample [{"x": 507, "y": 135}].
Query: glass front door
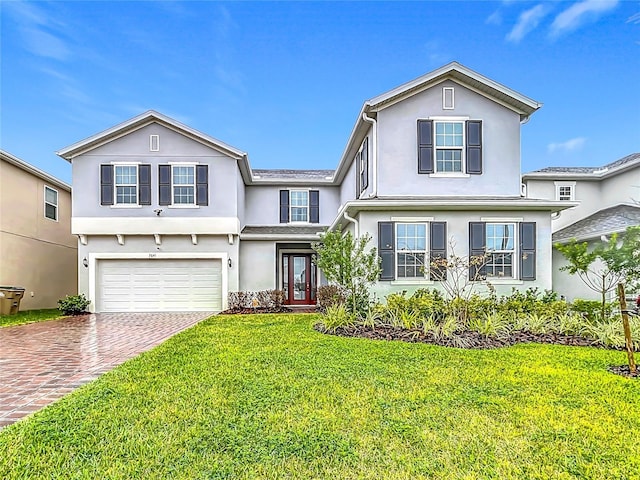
[{"x": 299, "y": 279}]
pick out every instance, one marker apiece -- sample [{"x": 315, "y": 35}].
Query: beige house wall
[{"x": 36, "y": 253}]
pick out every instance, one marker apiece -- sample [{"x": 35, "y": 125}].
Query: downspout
[
  {"x": 356, "y": 227},
  {"x": 374, "y": 154}
]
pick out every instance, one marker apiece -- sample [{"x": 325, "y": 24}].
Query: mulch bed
[{"x": 624, "y": 371}]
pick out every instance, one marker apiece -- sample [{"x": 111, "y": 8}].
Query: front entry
[{"x": 299, "y": 279}]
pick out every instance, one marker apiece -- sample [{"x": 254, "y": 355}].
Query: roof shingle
[{"x": 604, "y": 222}]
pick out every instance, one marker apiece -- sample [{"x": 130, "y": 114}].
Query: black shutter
[
  {"x": 474, "y": 147},
  {"x": 314, "y": 206},
  {"x": 438, "y": 250},
  {"x": 284, "y": 206},
  {"x": 425, "y": 146},
  {"x": 144, "y": 184},
  {"x": 106, "y": 184},
  {"x": 365, "y": 165},
  {"x": 477, "y": 244},
  {"x": 527, "y": 251},
  {"x": 386, "y": 250},
  {"x": 202, "y": 184},
  {"x": 164, "y": 184}
]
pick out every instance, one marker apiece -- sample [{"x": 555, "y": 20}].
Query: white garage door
[{"x": 159, "y": 285}]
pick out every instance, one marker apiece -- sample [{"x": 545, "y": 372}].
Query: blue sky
[{"x": 285, "y": 81}]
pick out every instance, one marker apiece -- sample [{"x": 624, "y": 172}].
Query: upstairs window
[
  {"x": 299, "y": 205},
  {"x": 449, "y": 144},
  {"x": 183, "y": 185},
  {"x": 126, "y": 184},
  {"x": 565, "y": 191},
  {"x": 183, "y": 179},
  {"x": 51, "y": 203}
]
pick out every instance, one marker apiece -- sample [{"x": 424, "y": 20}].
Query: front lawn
[
  {"x": 266, "y": 396},
  {"x": 29, "y": 316}
]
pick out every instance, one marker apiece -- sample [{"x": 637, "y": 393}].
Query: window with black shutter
[
  {"x": 202, "y": 184},
  {"x": 164, "y": 184},
  {"x": 527, "y": 251},
  {"x": 438, "y": 251},
  {"x": 477, "y": 243},
  {"x": 106, "y": 184},
  {"x": 314, "y": 206},
  {"x": 284, "y": 206},
  {"x": 144, "y": 184},
  {"x": 425, "y": 146}
]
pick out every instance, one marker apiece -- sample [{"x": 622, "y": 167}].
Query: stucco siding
[
  {"x": 174, "y": 147},
  {"x": 36, "y": 253},
  {"x": 257, "y": 265},
  {"x": 397, "y": 145},
  {"x": 263, "y": 203},
  {"x": 458, "y": 234}
]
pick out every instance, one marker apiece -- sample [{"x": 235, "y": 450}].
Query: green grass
[
  {"x": 266, "y": 396},
  {"x": 29, "y": 316}
]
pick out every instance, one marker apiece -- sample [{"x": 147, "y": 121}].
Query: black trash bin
[{"x": 10, "y": 300}]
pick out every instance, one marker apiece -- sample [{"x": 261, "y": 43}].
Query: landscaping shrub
[
  {"x": 338, "y": 316},
  {"x": 330, "y": 296},
  {"x": 591, "y": 310},
  {"x": 73, "y": 304}
]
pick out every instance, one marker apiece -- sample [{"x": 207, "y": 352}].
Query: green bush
[
  {"x": 73, "y": 304},
  {"x": 591, "y": 310},
  {"x": 338, "y": 316},
  {"x": 330, "y": 296}
]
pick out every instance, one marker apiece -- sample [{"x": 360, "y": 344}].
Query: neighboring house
[
  {"x": 169, "y": 218},
  {"x": 37, "y": 250},
  {"x": 608, "y": 201}
]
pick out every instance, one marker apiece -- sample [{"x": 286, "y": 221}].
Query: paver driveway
[{"x": 41, "y": 362}]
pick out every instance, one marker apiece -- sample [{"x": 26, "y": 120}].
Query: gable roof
[
  {"x": 455, "y": 71},
  {"x": 27, "y": 167},
  {"x": 604, "y": 222},
  {"x": 140, "y": 121},
  {"x": 586, "y": 173}
]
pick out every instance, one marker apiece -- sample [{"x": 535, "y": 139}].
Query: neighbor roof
[
  {"x": 595, "y": 173},
  {"x": 12, "y": 159},
  {"x": 604, "y": 222}
]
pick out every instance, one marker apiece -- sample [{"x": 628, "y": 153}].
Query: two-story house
[
  {"x": 169, "y": 218},
  {"x": 37, "y": 250},
  {"x": 608, "y": 201}
]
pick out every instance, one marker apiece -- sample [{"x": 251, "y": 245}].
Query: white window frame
[
  {"x": 291, "y": 206},
  {"x": 572, "y": 191},
  {"x": 173, "y": 185},
  {"x": 56, "y": 205},
  {"x": 425, "y": 252},
  {"x": 444, "y": 98},
  {"x": 462, "y": 148},
  {"x": 513, "y": 251},
  {"x": 116, "y": 185}
]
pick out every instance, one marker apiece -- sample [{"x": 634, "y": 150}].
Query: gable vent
[
  {"x": 447, "y": 98},
  {"x": 154, "y": 143}
]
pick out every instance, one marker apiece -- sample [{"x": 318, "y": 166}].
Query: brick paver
[{"x": 41, "y": 362}]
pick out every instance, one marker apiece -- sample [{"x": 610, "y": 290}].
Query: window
[
  {"x": 565, "y": 191},
  {"x": 126, "y": 184},
  {"x": 411, "y": 250},
  {"x": 299, "y": 205},
  {"x": 449, "y": 144},
  {"x": 500, "y": 247},
  {"x": 184, "y": 184},
  {"x": 51, "y": 203}
]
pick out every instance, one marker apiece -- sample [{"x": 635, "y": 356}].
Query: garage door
[{"x": 159, "y": 285}]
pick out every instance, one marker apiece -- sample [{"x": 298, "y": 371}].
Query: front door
[{"x": 298, "y": 279}]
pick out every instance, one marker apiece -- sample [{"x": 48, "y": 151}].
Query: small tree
[
  {"x": 345, "y": 260},
  {"x": 604, "y": 266}
]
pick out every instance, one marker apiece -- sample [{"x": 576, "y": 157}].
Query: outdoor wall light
[
  {"x": 85, "y": 262},
  {"x": 229, "y": 263}
]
